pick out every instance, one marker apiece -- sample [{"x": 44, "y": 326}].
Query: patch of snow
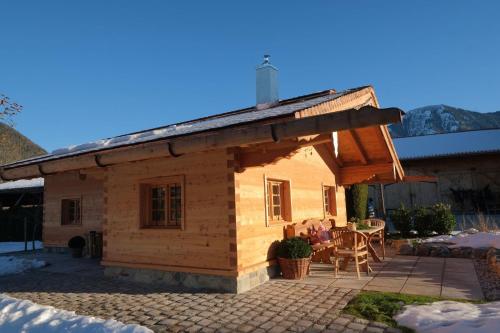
[
  {"x": 467, "y": 239},
  {"x": 13, "y": 265},
  {"x": 451, "y": 317},
  {"x": 28, "y": 317},
  {"x": 6, "y": 247},
  {"x": 22, "y": 183},
  {"x": 448, "y": 120}
]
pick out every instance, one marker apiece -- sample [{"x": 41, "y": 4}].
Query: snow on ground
[
  {"x": 475, "y": 240},
  {"x": 20, "y": 316},
  {"x": 451, "y": 317},
  {"x": 13, "y": 265},
  {"x": 6, "y": 247}
]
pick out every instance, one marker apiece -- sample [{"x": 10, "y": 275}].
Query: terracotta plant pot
[{"x": 294, "y": 269}]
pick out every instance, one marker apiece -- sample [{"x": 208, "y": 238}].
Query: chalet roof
[
  {"x": 238, "y": 117},
  {"x": 21, "y": 184},
  {"x": 449, "y": 144}
]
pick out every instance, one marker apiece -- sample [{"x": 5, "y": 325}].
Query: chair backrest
[
  {"x": 336, "y": 235},
  {"x": 353, "y": 240},
  {"x": 375, "y": 222}
]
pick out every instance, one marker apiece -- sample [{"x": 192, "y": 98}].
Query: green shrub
[
  {"x": 443, "y": 220},
  {"x": 402, "y": 220},
  {"x": 423, "y": 219},
  {"x": 294, "y": 248},
  {"x": 357, "y": 201}
]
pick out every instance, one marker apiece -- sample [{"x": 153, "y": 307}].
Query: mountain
[
  {"x": 14, "y": 146},
  {"x": 435, "y": 119}
]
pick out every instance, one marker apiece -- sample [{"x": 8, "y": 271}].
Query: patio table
[{"x": 369, "y": 234}]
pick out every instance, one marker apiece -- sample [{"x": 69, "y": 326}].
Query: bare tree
[{"x": 8, "y": 109}]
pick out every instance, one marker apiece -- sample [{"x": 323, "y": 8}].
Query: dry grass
[{"x": 483, "y": 223}]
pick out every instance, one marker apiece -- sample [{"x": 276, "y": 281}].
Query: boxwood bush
[
  {"x": 443, "y": 219},
  {"x": 402, "y": 220},
  {"x": 423, "y": 221},
  {"x": 294, "y": 248}
]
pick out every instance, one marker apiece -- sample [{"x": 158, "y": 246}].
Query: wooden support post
[
  {"x": 25, "y": 234},
  {"x": 382, "y": 201}
]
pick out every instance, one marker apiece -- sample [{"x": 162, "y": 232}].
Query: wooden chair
[
  {"x": 380, "y": 236},
  {"x": 353, "y": 246}
]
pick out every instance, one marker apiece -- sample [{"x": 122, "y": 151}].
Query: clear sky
[{"x": 85, "y": 70}]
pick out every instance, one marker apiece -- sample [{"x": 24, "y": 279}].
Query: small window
[
  {"x": 278, "y": 200},
  {"x": 330, "y": 200},
  {"x": 162, "y": 204},
  {"x": 71, "y": 212}
]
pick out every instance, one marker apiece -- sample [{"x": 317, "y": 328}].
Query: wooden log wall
[
  {"x": 89, "y": 188},
  {"x": 204, "y": 244},
  {"x": 307, "y": 172}
]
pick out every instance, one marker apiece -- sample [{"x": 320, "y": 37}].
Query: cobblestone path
[{"x": 277, "y": 306}]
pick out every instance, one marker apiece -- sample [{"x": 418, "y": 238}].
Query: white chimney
[{"x": 266, "y": 84}]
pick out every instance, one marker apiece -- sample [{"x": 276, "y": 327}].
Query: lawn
[{"x": 382, "y": 306}]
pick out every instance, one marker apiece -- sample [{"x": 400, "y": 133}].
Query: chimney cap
[{"x": 266, "y": 62}]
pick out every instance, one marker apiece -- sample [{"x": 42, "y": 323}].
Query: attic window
[
  {"x": 71, "y": 212},
  {"x": 162, "y": 203}
]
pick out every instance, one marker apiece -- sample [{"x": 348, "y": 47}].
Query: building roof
[
  {"x": 448, "y": 144},
  {"x": 21, "y": 184},
  {"x": 238, "y": 117}
]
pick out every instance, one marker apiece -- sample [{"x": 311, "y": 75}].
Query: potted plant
[
  {"x": 294, "y": 257},
  {"x": 76, "y": 244}
]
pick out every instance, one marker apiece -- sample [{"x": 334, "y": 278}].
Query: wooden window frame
[
  {"x": 63, "y": 214},
  {"x": 145, "y": 202},
  {"x": 332, "y": 200},
  {"x": 285, "y": 201}
]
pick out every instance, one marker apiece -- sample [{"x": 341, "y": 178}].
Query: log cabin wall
[
  {"x": 72, "y": 185},
  {"x": 203, "y": 246},
  {"x": 306, "y": 173}
]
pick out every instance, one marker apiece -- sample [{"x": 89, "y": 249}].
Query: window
[
  {"x": 162, "y": 203},
  {"x": 71, "y": 212},
  {"x": 330, "y": 200},
  {"x": 278, "y": 200}
]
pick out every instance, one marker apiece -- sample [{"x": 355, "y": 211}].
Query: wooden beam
[
  {"x": 370, "y": 173},
  {"x": 418, "y": 178},
  {"x": 357, "y": 146},
  {"x": 327, "y": 154},
  {"x": 366, "y": 116}
]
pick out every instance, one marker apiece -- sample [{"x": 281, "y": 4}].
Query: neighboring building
[
  {"x": 467, "y": 167},
  {"x": 201, "y": 203},
  {"x": 20, "y": 200}
]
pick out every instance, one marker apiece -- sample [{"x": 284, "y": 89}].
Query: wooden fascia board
[{"x": 390, "y": 146}]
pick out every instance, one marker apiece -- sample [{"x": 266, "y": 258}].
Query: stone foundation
[{"x": 194, "y": 281}]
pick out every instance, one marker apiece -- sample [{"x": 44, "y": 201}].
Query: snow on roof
[
  {"x": 448, "y": 144},
  {"x": 22, "y": 183},
  {"x": 238, "y": 117}
]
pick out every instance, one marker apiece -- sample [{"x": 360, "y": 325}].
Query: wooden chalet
[{"x": 200, "y": 203}]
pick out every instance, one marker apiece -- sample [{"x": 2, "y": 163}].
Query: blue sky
[{"x": 85, "y": 70}]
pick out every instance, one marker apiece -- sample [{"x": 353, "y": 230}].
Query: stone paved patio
[
  {"x": 440, "y": 277},
  {"x": 277, "y": 306}
]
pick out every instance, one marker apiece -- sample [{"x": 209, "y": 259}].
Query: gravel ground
[{"x": 490, "y": 283}]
